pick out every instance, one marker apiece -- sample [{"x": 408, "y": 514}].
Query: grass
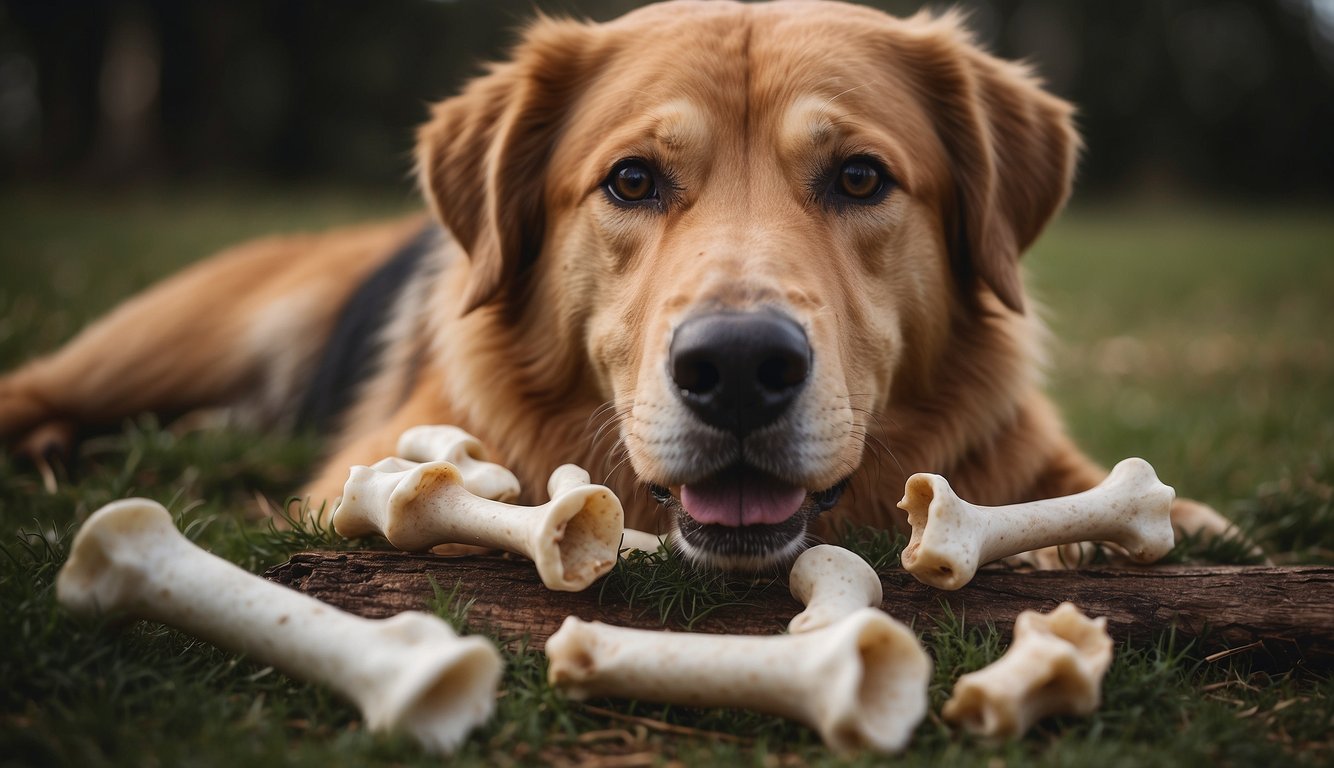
[
  {"x": 664, "y": 584},
  {"x": 1198, "y": 338}
]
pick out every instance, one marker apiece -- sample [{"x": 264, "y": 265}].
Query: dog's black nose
[{"x": 739, "y": 371}]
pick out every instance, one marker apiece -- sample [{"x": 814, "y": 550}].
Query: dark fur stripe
[{"x": 353, "y": 350}]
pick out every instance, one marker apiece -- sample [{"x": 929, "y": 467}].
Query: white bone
[
  {"x": 951, "y": 538},
  {"x": 861, "y": 683},
  {"x": 395, "y": 464},
  {"x": 1054, "y": 665},
  {"x": 573, "y": 538},
  {"x": 639, "y": 540},
  {"x": 831, "y": 582},
  {"x": 445, "y": 443},
  {"x": 408, "y": 673}
]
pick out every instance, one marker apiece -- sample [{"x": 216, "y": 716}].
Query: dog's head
[{"x": 757, "y": 223}]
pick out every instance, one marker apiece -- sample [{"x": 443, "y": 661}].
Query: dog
[{"x": 752, "y": 264}]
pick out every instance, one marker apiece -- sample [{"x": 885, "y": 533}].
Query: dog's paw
[
  {"x": 47, "y": 447},
  {"x": 48, "y": 442},
  {"x": 31, "y": 430},
  {"x": 29, "y": 425},
  {"x": 1192, "y": 519},
  {"x": 21, "y": 411},
  {"x": 1056, "y": 558}
]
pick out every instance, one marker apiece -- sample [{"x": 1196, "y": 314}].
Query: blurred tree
[
  {"x": 1231, "y": 97},
  {"x": 1224, "y": 97}
]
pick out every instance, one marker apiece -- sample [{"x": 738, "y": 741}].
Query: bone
[
  {"x": 951, "y": 538},
  {"x": 573, "y": 539},
  {"x": 861, "y": 682},
  {"x": 430, "y": 443},
  {"x": 831, "y": 582},
  {"x": 1054, "y": 665},
  {"x": 632, "y": 540},
  {"x": 395, "y": 464},
  {"x": 409, "y": 673}
]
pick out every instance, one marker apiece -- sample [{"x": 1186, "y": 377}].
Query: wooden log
[{"x": 1280, "y": 615}]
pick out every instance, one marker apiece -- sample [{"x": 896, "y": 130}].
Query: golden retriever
[{"x": 753, "y": 264}]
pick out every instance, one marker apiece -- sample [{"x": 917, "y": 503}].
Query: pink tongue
[{"x": 741, "y": 498}]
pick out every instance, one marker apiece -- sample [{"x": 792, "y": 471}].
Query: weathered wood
[{"x": 1285, "y": 614}]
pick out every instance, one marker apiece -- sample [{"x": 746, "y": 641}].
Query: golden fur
[{"x": 545, "y": 331}]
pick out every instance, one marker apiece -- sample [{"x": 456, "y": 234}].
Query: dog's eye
[
  {"x": 631, "y": 181},
  {"x": 860, "y": 179}
]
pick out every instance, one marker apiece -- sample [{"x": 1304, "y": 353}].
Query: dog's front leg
[
  {"x": 364, "y": 442},
  {"x": 1070, "y": 472}
]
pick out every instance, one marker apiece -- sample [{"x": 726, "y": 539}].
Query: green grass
[
  {"x": 1202, "y": 340},
  {"x": 1197, "y": 338},
  {"x": 663, "y": 585}
]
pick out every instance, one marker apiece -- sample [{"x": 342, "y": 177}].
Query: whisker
[
  {"x": 612, "y": 416},
  {"x": 619, "y": 466},
  {"x": 607, "y": 430},
  {"x": 618, "y": 454}
]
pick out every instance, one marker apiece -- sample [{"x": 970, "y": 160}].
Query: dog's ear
[
  {"x": 482, "y": 157},
  {"x": 1012, "y": 148}
]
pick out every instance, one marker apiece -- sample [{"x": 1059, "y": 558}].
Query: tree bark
[{"x": 1278, "y": 615}]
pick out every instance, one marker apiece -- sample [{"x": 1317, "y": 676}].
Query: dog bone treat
[
  {"x": 641, "y": 540},
  {"x": 408, "y": 673},
  {"x": 1054, "y": 666},
  {"x": 861, "y": 682},
  {"x": 831, "y": 582},
  {"x": 573, "y": 538},
  {"x": 395, "y": 464},
  {"x": 952, "y": 538},
  {"x": 445, "y": 443},
  {"x": 492, "y": 481}
]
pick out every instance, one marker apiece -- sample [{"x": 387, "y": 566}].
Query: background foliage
[{"x": 1230, "y": 96}]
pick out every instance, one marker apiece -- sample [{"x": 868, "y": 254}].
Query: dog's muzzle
[{"x": 740, "y": 373}]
